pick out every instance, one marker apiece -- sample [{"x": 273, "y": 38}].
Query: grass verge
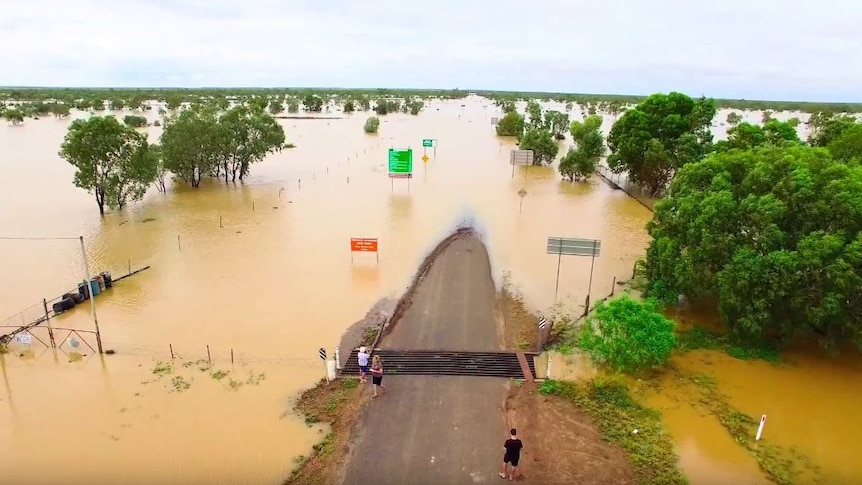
[
  {"x": 784, "y": 466},
  {"x": 617, "y": 416},
  {"x": 338, "y": 404}
]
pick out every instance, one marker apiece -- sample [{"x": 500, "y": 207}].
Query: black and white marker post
[
  {"x": 543, "y": 322},
  {"x": 322, "y": 353}
]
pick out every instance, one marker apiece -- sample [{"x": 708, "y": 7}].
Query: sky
[{"x": 751, "y": 49}]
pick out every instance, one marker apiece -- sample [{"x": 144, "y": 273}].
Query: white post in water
[
  {"x": 337, "y": 359},
  {"x": 92, "y": 293},
  {"x": 548, "y": 369},
  {"x": 760, "y": 428}
]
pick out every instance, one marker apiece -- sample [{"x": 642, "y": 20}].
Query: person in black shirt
[{"x": 512, "y": 456}]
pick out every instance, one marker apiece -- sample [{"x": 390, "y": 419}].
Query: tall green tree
[
  {"x": 558, "y": 123},
  {"x": 772, "y": 234},
  {"x": 660, "y": 135},
  {"x": 733, "y": 118},
  {"x": 349, "y": 106},
  {"x": 534, "y": 109},
  {"x": 512, "y": 124},
  {"x": 824, "y": 127},
  {"x": 581, "y": 160},
  {"x": 193, "y": 143},
  {"x": 848, "y": 145},
  {"x": 112, "y": 161},
  {"x": 250, "y": 134},
  {"x": 312, "y": 103},
  {"x": 542, "y": 143}
]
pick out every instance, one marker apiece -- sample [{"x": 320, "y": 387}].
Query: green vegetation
[
  {"x": 372, "y": 124},
  {"x": 628, "y": 335},
  {"x": 112, "y": 161},
  {"x": 656, "y": 138},
  {"x": 743, "y": 349},
  {"x": 542, "y": 143},
  {"x": 581, "y": 161},
  {"x": 202, "y": 140},
  {"x": 773, "y": 233},
  {"x": 512, "y": 124},
  {"x": 784, "y": 466},
  {"x": 135, "y": 121},
  {"x": 621, "y": 420}
]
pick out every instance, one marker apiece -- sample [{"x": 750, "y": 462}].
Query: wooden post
[
  {"x": 252, "y": 206},
  {"x": 219, "y": 222},
  {"x": 231, "y": 355},
  {"x": 209, "y": 358},
  {"x": 48, "y": 323},
  {"x": 614, "y": 286},
  {"x": 170, "y": 346},
  {"x": 179, "y": 245},
  {"x": 130, "y": 267}
]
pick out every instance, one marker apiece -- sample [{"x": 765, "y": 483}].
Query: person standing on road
[
  {"x": 362, "y": 357},
  {"x": 513, "y": 454},
  {"x": 377, "y": 374}
]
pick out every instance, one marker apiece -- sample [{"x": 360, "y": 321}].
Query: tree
[
  {"x": 542, "y": 143},
  {"x": 772, "y": 234},
  {"x": 745, "y": 136},
  {"x": 135, "y": 121},
  {"x": 312, "y": 103},
  {"x": 118, "y": 104},
  {"x": 98, "y": 105},
  {"x": 293, "y": 106},
  {"x": 173, "y": 101},
  {"x": 767, "y": 115},
  {"x": 250, "y": 134},
  {"x": 161, "y": 170},
  {"x": 628, "y": 335},
  {"x": 14, "y": 116},
  {"x": 512, "y": 124},
  {"x": 112, "y": 161},
  {"x": 60, "y": 110},
  {"x": 372, "y": 124},
  {"x": 733, "y": 118},
  {"x": 416, "y": 106},
  {"x": 349, "y": 107},
  {"x": 660, "y": 135},
  {"x": 580, "y": 162},
  {"x": 192, "y": 144},
  {"x": 534, "y": 109},
  {"x": 276, "y": 106},
  {"x": 848, "y": 145},
  {"x": 826, "y": 127},
  {"x": 558, "y": 123}
]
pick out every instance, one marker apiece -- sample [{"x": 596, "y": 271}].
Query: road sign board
[
  {"x": 425, "y": 158},
  {"x": 521, "y": 157},
  {"x": 363, "y": 244},
  {"x": 543, "y": 322},
  {"x": 400, "y": 161},
  {"x": 400, "y": 175},
  {"x": 322, "y": 353},
  {"x": 24, "y": 338},
  {"x": 574, "y": 246},
  {"x": 495, "y": 120},
  {"x": 522, "y": 193},
  {"x": 428, "y": 142}
]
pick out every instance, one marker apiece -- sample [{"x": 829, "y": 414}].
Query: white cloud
[{"x": 733, "y": 48}]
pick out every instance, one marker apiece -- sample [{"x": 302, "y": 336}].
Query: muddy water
[
  {"x": 263, "y": 269},
  {"x": 273, "y": 281}
]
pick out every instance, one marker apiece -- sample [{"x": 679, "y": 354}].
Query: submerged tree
[
  {"x": 660, "y": 135},
  {"x": 581, "y": 161},
  {"x": 372, "y": 124},
  {"x": 113, "y": 161},
  {"x": 512, "y": 124},
  {"x": 250, "y": 135},
  {"x": 541, "y": 143},
  {"x": 557, "y": 123},
  {"x": 774, "y": 233}
]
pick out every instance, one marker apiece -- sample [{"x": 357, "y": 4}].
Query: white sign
[
  {"x": 24, "y": 338},
  {"x": 73, "y": 342}
]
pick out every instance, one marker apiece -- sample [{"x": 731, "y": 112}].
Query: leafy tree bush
[
  {"x": 349, "y": 107},
  {"x": 628, "y": 335},
  {"x": 733, "y": 118},
  {"x": 660, "y": 135},
  {"x": 773, "y": 233},
  {"x": 580, "y": 162},
  {"x": 372, "y": 124},
  {"x": 135, "y": 121},
  {"x": 112, "y": 161},
  {"x": 312, "y": 103},
  {"x": 542, "y": 143},
  {"x": 512, "y": 124},
  {"x": 848, "y": 145}
]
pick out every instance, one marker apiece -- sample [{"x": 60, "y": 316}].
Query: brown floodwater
[{"x": 263, "y": 270}]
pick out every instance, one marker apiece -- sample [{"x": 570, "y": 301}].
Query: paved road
[{"x": 436, "y": 430}]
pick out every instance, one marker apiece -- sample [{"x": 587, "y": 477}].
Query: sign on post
[
  {"x": 570, "y": 246},
  {"x": 429, "y": 143},
  {"x": 363, "y": 245},
  {"x": 495, "y": 120},
  {"x": 543, "y": 322},
  {"x": 401, "y": 163},
  {"x": 24, "y": 338},
  {"x": 520, "y": 157},
  {"x": 322, "y": 353}
]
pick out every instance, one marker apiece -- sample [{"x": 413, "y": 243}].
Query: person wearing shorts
[
  {"x": 377, "y": 374},
  {"x": 512, "y": 455},
  {"x": 362, "y": 358}
]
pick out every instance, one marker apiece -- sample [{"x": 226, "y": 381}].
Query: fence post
[
  {"x": 231, "y": 356},
  {"x": 48, "y": 323},
  {"x": 209, "y": 358},
  {"x": 170, "y": 346},
  {"x": 614, "y": 286}
]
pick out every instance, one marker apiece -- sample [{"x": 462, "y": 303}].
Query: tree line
[{"x": 116, "y": 164}]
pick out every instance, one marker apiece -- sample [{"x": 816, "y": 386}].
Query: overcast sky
[{"x": 754, "y": 49}]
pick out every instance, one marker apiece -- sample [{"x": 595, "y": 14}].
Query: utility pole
[{"x": 92, "y": 295}]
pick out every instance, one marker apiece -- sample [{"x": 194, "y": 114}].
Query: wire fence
[{"x": 622, "y": 181}]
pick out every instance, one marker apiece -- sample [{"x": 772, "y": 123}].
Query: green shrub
[{"x": 372, "y": 124}]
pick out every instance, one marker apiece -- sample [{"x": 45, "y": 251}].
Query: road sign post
[
  {"x": 520, "y": 157},
  {"x": 574, "y": 247},
  {"x": 521, "y": 193},
  {"x": 429, "y": 143},
  {"x": 400, "y": 165},
  {"x": 363, "y": 245}
]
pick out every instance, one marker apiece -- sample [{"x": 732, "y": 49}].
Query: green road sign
[
  {"x": 400, "y": 161},
  {"x": 427, "y": 142}
]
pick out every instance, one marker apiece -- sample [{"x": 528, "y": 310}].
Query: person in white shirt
[{"x": 362, "y": 357}]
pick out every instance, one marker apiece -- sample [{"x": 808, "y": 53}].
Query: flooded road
[{"x": 263, "y": 270}]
